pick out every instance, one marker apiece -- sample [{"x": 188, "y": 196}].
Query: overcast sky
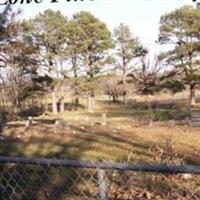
[{"x": 141, "y": 15}]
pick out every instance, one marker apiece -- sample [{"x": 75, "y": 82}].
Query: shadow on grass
[
  {"x": 35, "y": 182},
  {"x": 23, "y": 182}
]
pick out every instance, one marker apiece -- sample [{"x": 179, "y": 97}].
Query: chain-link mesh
[
  {"x": 130, "y": 185},
  {"x": 46, "y": 182}
]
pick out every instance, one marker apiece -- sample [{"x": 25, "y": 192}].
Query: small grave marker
[
  {"x": 86, "y": 119},
  {"x": 104, "y": 119},
  {"x": 29, "y": 123},
  {"x": 76, "y": 118},
  {"x": 61, "y": 125}
]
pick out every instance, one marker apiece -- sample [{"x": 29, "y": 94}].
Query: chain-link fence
[{"x": 52, "y": 179}]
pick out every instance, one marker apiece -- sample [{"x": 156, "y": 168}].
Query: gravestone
[
  {"x": 61, "y": 125},
  {"x": 29, "y": 123},
  {"x": 103, "y": 119},
  {"x": 145, "y": 121},
  {"x": 86, "y": 119},
  {"x": 150, "y": 122},
  {"x": 76, "y": 118}
]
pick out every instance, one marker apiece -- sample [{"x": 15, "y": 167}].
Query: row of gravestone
[
  {"x": 63, "y": 125},
  {"x": 193, "y": 120},
  {"x": 59, "y": 123}
]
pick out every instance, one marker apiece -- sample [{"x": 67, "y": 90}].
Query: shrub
[
  {"x": 181, "y": 114},
  {"x": 33, "y": 111},
  {"x": 3, "y": 116},
  {"x": 161, "y": 115}
]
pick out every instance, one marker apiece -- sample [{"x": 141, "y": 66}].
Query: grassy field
[
  {"x": 127, "y": 136},
  {"x": 132, "y": 134}
]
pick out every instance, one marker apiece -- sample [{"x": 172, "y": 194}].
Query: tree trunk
[
  {"x": 19, "y": 107},
  {"x": 3, "y": 99},
  {"x": 54, "y": 103},
  {"x": 113, "y": 99},
  {"x": 76, "y": 89},
  {"x": 1, "y": 128},
  {"x": 192, "y": 95},
  {"x": 76, "y": 93},
  {"x": 77, "y": 101},
  {"x": 91, "y": 101},
  {"x": 62, "y": 99},
  {"x": 62, "y": 105},
  {"x": 90, "y": 77},
  {"x": 124, "y": 99},
  {"x": 45, "y": 104},
  {"x": 147, "y": 103},
  {"x": 124, "y": 90}
]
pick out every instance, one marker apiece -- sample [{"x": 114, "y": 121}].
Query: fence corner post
[{"x": 102, "y": 184}]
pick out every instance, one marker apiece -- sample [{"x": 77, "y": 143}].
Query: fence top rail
[{"x": 159, "y": 168}]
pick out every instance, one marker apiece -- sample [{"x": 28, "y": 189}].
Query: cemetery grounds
[{"x": 133, "y": 134}]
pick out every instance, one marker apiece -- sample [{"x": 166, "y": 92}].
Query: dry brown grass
[
  {"x": 86, "y": 139},
  {"x": 126, "y": 137}
]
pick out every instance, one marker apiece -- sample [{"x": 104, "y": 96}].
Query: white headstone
[
  {"x": 103, "y": 119},
  {"x": 61, "y": 125},
  {"x": 86, "y": 119},
  {"x": 76, "y": 118},
  {"x": 29, "y": 122}
]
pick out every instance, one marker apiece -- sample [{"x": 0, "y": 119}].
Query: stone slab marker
[
  {"x": 61, "y": 125},
  {"x": 29, "y": 122},
  {"x": 103, "y": 119},
  {"x": 76, "y": 118}
]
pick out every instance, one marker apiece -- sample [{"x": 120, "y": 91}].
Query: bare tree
[
  {"x": 128, "y": 50},
  {"x": 113, "y": 88},
  {"x": 146, "y": 77}
]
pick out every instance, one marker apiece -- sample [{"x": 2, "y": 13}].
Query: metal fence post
[{"x": 102, "y": 184}]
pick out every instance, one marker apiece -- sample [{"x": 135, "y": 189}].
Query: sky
[{"x": 142, "y": 16}]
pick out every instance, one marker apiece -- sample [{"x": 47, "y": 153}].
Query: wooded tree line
[{"x": 43, "y": 54}]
